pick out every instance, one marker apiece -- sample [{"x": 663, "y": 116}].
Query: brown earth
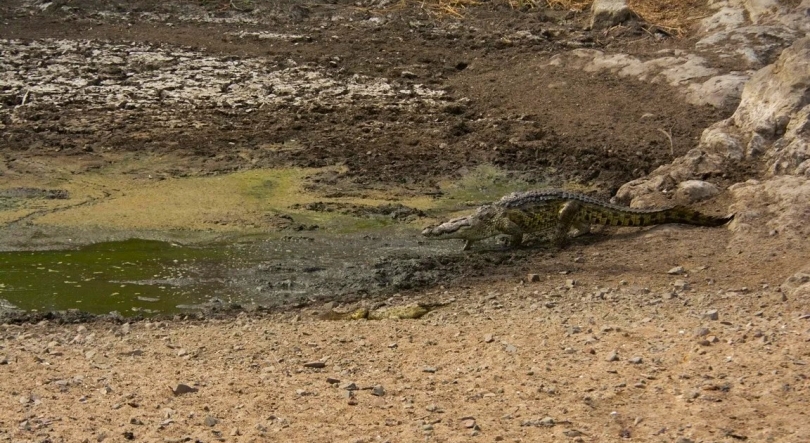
[{"x": 506, "y": 353}]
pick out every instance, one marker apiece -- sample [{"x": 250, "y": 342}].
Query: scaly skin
[{"x": 556, "y": 213}]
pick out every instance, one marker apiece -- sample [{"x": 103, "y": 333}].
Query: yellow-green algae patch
[
  {"x": 129, "y": 195},
  {"x": 131, "y": 199},
  {"x": 227, "y": 202}
]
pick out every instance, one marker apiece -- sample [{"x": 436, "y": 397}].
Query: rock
[
  {"x": 613, "y": 356},
  {"x": 711, "y": 315},
  {"x": 680, "y": 285},
  {"x": 779, "y": 204},
  {"x": 3, "y": 360},
  {"x": 378, "y": 390},
  {"x": 693, "y": 191},
  {"x": 315, "y": 364},
  {"x": 635, "y": 360},
  {"x": 547, "y": 421},
  {"x": 795, "y": 286},
  {"x": 719, "y": 91},
  {"x": 429, "y": 369},
  {"x": 510, "y": 348},
  {"x": 701, "y": 332},
  {"x": 609, "y": 13},
  {"x": 210, "y": 421},
  {"x": 350, "y": 387},
  {"x": 677, "y": 270},
  {"x": 726, "y": 18},
  {"x": 533, "y": 278},
  {"x": 468, "y": 422},
  {"x": 183, "y": 389},
  {"x": 783, "y": 87},
  {"x": 332, "y": 381},
  {"x": 488, "y": 338}
]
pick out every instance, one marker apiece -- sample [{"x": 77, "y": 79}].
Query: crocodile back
[{"x": 528, "y": 199}]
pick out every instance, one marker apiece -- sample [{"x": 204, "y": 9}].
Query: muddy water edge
[{"x": 258, "y": 240}]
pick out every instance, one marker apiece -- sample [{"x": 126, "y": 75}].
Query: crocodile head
[{"x": 476, "y": 226}]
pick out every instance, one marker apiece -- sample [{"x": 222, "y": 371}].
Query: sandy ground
[{"x": 711, "y": 354}]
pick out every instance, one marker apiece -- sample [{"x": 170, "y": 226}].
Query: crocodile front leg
[
  {"x": 566, "y": 219},
  {"x": 580, "y": 228},
  {"x": 512, "y": 229}
]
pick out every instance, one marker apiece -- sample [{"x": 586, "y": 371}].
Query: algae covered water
[
  {"x": 131, "y": 277},
  {"x": 146, "y": 277}
]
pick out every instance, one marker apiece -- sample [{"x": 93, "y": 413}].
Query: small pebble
[
  {"x": 184, "y": 389},
  {"x": 677, "y": 270},
  {"x": 701, "y": 332},
  {"x": 613, "y": 356},
  {"x": 681, "y": 285},
  {"x": 635, "y": 360},
  {"x": 711, "y": 315}
]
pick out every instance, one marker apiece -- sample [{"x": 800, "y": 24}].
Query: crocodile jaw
[
  {"x": 473, "y": 227},
  {"x": 455, "y": 228}
]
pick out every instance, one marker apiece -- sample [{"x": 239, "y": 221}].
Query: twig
[
  {"x": 671, "y": 145},
  {"x": 234, "y": 6},
  {"x": 25, "y": 97}
]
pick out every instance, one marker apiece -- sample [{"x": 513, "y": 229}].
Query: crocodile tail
[
  {"x": 647, "y": 217},
  {"x": 681, "y": 214}
]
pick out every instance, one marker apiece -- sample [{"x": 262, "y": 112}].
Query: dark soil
[{"x": 503, "y": 105}]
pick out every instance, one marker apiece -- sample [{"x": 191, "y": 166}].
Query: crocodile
[{"x": 556, "y": 213}]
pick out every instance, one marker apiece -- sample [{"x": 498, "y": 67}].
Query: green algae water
[{"x": 132, "y": 277}]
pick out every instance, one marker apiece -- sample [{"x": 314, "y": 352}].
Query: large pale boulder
[
  {"x": 608, "y": 13},
  {"x": 775, "y": 93},
  {"x": 776, "y": 207},
  {"x": 772, "y": 123}
]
